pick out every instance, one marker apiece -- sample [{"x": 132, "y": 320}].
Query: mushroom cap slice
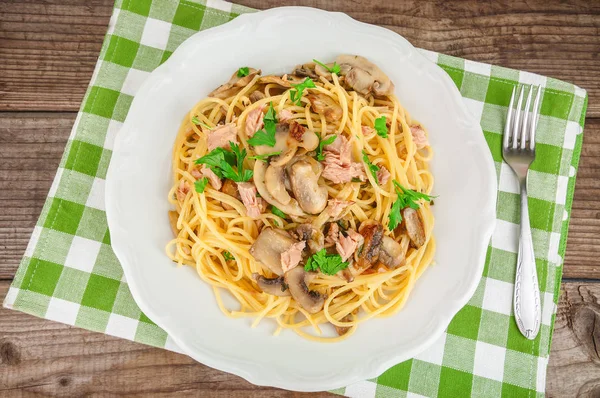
[
  {"x": 414, "y": 226},
  {"x": 364, "y": 76},
  {"x": 292, "y": 208},
  {"x": 310, "y": 300},
  {"x": 311, "y": 196},
  {"x": 234, "y": 84},
  {"x": 274, "y": 286},
  {"x": 372, "y": 231},
  {"x": 275, "y": 183},
  {"x": 325, "y": 105},
  {"x": 268, "y": 246},
  {"x": 392, "y": 253}
]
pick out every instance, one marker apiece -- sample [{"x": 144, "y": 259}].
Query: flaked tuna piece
[
  {"x": 383, "y": 175},
  {"x": 254, "y": 121},
  {"x": 338, "y": 164},
  {"x": 221, "y": 136},
  {"x": 292, "y": 256},
  {"x": 347, "y": 245},
  {"x": 255, "y": 206},
  {"x": 419, "y": 136}
]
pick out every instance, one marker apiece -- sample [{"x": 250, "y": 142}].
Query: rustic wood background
[{"x": 48, "y": 49}]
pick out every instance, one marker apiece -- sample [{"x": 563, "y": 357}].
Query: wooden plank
[
  {"x": 48, "y": 48},
  {"x": 44, "y": 357},
  {"x": 574, "y": 368},
  {"x": 51, "y": 359},
  {"x": 31, "y": 145}
]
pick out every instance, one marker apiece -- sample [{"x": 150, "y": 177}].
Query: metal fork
[{"x": 518, "y": 150}]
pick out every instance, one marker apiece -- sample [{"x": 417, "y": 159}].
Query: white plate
[{"x": 178, "y": 301}]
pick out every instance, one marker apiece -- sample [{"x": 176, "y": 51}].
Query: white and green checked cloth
[{"x": 69, "y": 272}]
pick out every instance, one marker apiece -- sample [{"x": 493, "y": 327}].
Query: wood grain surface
[{"x": 48, "y": 49}]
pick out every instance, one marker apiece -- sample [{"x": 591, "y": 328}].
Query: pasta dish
[{"x": 304, "y": 197}]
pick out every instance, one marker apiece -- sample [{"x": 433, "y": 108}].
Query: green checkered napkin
[{"x": 70, "y": 274}]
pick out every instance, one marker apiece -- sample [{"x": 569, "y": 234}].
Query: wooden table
[{"x": 48, "y": 49}]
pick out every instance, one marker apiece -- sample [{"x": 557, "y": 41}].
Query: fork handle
[{"x": 526, "y": 299}]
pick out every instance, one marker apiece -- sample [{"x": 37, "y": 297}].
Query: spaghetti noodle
[{"x": 321, "y": 214}]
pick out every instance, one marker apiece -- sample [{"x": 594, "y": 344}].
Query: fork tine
[
  {"x": 517, "y": 124},
  {"x": 509, "y": 116},
  {"x": 535, "y": 115},
  {"x": 524, "y": 125}
]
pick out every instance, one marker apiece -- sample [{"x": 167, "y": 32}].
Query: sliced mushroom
[
  {"x": 291, "y": 209},
  {"x": 325, "y": 105},
  {"x": 256, "y": 96},
  {"x": 234, "y": 83},
  {"x": 272, "y": 79},
  {"x": 306, "y": 70},
  {"x": 230, "y": 188},
  {"x": 296, "y": 279},
  {"x": 368, "y": 255},
  {"x": 311, "y": 196},
  {"x": 414, "y": 226},
  {"x": 314, "y": 238},
  {"x": 274, "y": 286},
  {"x": 364, "y": 76},
  {"x": 173, "y": 217},
  {"x": 322, "y": 72},
  {"x": 392, "y": 253},
  {"x": 287, "y": 142},
  {"x": 275, "y": 183},
  {"x": 269, "y": 245}
]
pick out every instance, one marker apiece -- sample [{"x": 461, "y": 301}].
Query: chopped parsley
[
  {"x": 329, "y": 264},
  {"x": 406, "y": 198},
  {"x": 335, "y": 69},
  {"x": 298, "y": 90},
  {"x": 372, "y": 167},
  {"x": 221, "y": 162},
  {"x": 381, "y": 127},
  {"x": 265, "y": 156},
  {"x": 200, "y": 184},
  {"x": 228, "y": 256},
  {"x": 278, "y": 212},
  {"x": 266, "y": 136},
  {"x": 322, "y": 143},
  {"x": 243, "y": 71}
]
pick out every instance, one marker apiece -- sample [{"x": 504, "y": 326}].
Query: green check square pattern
[{"x": 70, "y": 274}]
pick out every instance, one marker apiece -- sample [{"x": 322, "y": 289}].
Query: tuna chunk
[
  {"x": 292, "y": 256},
  {"x": 254, "y": 205},
  {"x": 254, "y": 120},
  {"x": 338, "y": 164},
  {"x": 221, "y": 136}
]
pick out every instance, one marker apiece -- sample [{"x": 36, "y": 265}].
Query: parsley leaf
[
  {"x": 244, "y": 71},
  {"x": 221, "y": 162},
  {"x": 335, "y": 69},
  {"x": 329, "y": 264},
  {"x": 322, "y": 144},
  {"x": 298, "y": 90},
  {"x": 372, "y": 167},
  {"x": 395, "y": 216},
  {"x": 278, "y": 212},
  {"x": 216, "y": 157},
  {"x": 381, "y": 127},
  {"x": 266, "y": 136},
  {"x": 265, "y": 156},
  {"x": 228, "y": 256},
  {"x": 200, "y": 184},
  {"x": 406, "y": 198}
]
